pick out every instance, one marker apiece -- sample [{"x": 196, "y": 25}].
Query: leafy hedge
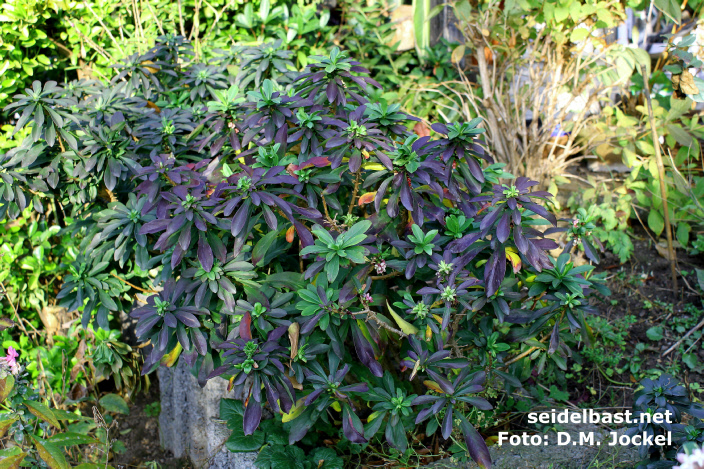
[{"x": 294, "y": 237}]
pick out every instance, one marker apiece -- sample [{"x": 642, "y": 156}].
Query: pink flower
[
  {"x": 367, "y": 298},
  {"x": 10, "y": 360},
  {"x": 575, "y": 222},
  {"x": 380, "y": 267}
]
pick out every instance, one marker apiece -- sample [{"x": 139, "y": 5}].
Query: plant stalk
[{"x": 661, "y": 177}]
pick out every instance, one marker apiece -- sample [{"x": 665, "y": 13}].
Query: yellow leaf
[
  {"x": 406, "y": 327},
  {"x": 50, "y": 454},
  {"x": 514, "y": 258},
  {"x": 432, "y": 385},
  {"x": 336, "y": 405},
  {"x": 293, "y": 333},
  {"x": 372, "y": 416},
  {"x": 428, "y": 333},
  {"x": 12, "y": 462},
  {"x": 457, "y": 54},
  {"x": 295, "y": 411},
  {"x": 373, "y": 167},
  {"x": 438, "y": 318},
  {"x": 5, "y": 425},
  {"x": 151, "y": 69},
  {"x": 170, "y": 358},
  {"x": 42, "y": 412}
]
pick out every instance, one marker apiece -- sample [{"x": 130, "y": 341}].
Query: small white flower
[{"x": 691, "y": 461}]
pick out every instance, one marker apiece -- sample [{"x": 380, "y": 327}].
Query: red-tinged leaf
[
  {"x": 352, "y": 426},
  {"x": 6, "y": 385},
  {"x": 290, "y": 233},
  {"x": 246, "y": 326},
  {"x": 366, "y": 198},
  {"x": 5, "y": 425},
  {"x": 6, "y": 323}
]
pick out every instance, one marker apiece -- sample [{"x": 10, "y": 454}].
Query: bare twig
[
  {"x": 385, "y": 276},
  {"x": 661, "y": 178},
  {"x": 690, "y": 332},
  {"x": 105, "y": 28},
  {"x": 372, "y": 315},
  {"x": 357, "y": 179},
  {"x": 131, "y": 284},
  {"x": 18, "y": 319}
]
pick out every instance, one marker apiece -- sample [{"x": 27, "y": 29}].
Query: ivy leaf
[{"x": 281, "y": 457}]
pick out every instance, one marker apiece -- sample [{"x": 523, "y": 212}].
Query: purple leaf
[
  {"x": 476, "y": 445},
  {"x": 252, "y": 416},
  {"x": 205, "y": 254}
]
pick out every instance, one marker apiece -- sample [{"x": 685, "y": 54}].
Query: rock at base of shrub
[
  {"x": 189, "y": 423},
  {"x": 558, "y": 457}
]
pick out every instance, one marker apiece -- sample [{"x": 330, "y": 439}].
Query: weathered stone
[
  {"x": 553, "y": 456},
  {"x": 402, "y": 18},
  {"x": 188, "y": 420}
]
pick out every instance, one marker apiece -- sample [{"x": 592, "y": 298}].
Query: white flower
[{"x": 691, "y": 461}]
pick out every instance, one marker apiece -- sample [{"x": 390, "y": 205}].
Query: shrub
[{"x": 300, "y": 241}]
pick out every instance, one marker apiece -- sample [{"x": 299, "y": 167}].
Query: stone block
[{"x": 188, "y": 423}]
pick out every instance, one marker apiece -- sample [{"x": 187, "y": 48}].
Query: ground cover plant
[{"x": 297, "y": 239}]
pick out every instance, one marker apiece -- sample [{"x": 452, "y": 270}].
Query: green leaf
[
  {"x": 230, "y": 408},
  {"x": 280, "y": 457},
  {"x": 691, "y": 360},
  {"x": 683, "y": 230},
  {"x": 656, "y": 222},
  {"x": 670, "y": 8},
  {"x": 262, "y": 246},
  {"x": 42, "y": 412},
  {"x": 579, "y": 34},
  {"x": 327, "y": 458},
  {"x": 264, "y": 9},
  {"x": 558, "y": 395},
  {"x": 65, "y": 415},
  {"x": 72, "y": 439},
  {"x": 654, "y": 333},
  {"x": 700, "y": 278},
  {"x": 241, "y": 443},
  {"x": 114, "y": 403}
]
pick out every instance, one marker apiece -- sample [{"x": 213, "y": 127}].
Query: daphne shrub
[{"x": 298, "y": 240}]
